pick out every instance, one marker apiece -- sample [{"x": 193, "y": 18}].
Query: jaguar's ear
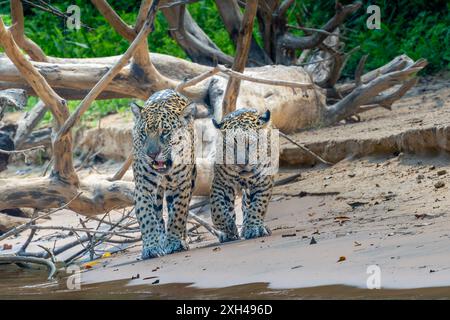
[
  {"x": 264, "y": 119},
  {"x": 216, "y": 124},
  {"x": 136, "y": 109},
  {"x": 189, "y": 112}
]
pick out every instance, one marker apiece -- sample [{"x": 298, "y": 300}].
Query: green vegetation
[{"x": 418, "y": 28}]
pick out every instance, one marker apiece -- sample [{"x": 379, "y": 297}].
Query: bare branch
[
  {"x": 177, "y": 3},
  {"x": 15, "y": 98},
  {"x": 231, "y": 15},
  {"x": 386, "y": 100},
  {"x": 330, "y": 34},
  {"x": 114, "y": 19},
  {"x": 30, "y": 236},
  {"x": 197, "y": 79},
  {"x": 18, "y": 32},
  {"x": 359, "y": 70},
  {"x": 73, "y": 229},
  {"x": 282, "y": 83},
  {"x": 362, "y": 95},
  {"x": 28, "y": 122},
  {"x": 290, "y": 41},
  {"x": 109, "y": 76},
  {"x": 306, "y": 149},
  {"x": 99, "y": 196},
  {"x": 192, "y": 39},
  {"x": 284, "y": 6},
  {"x": 340, "y": 60},
  {"x": 205, "y": 224},
  {"x": 123, "y": 169},
  {"x": 398, "y": 63},
  {"x": 242, "y": 50},
  {"x": 22, "y": 151},
  {"x": 62, "y": 149},
  {"x": 17, "y": 259}
]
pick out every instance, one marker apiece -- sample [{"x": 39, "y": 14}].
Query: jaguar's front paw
[
  {"x": 175, "y": 245},
  {"x": 255, "y": 231},
  {"x": 149, "y": 252},
  {"x": 226, "y": 237}
]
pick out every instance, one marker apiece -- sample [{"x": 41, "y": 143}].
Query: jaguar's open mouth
[{"x": 161, "y": 166}]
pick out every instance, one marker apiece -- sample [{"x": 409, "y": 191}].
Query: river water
[{"x": 16, "y": 283}]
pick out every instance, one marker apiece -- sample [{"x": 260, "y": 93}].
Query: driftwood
[
  {"x": 286, "y": 90},
  {"x": 28, "y": 122},
  {"x": 12, "y": 98},
  {"x": 242, "y": 51},
  {"x": 18, "y": 259}
]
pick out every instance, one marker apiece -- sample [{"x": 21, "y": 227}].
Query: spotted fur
[
  {"x": 249, "y": 178},
  {"x": 163, "y": 167}
]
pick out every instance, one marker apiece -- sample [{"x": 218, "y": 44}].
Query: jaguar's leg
[
  {"x": 149, "y": 213},
  {"x": 178, "y": 197},
  {"x": 254, "y": 207},
  {"x": 222, "y": 207}
]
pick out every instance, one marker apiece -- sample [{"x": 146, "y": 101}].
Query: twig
[
  {"x": 287, "y": 180},
  {"x": 205, "y": 224},
  {"x": 316, "y": 61},
  {"x": 23, "y": 150},
  {"x": 47, "y": 167},
  {"x": 82, "y": 230},
  {"x": 106, "y": 79},
  {"x": 49, "y": 252},
  {"x": 28, "y": 241},
  {"x": 134, "y": 240},
  {"x": 177, "y": 3},
  {"x": 283, "y": 83},
  {"x": 330, "y": 34},
  {"x": 30, "y": 236},
  {"x": 16, "y": 259},
  {"x": 54, "y": 11},
  {"x": 197, "y": 79},
  {"x": 123, "y": 169},
  {"x": 195, "y": 227},
  {"x": 360, "y": 69},
  {"x": 98, "y": 240},
  {"x": 314, "y": 194},
  {"x": 91, "y": 251},
  {"x": 243, "y": 44},
  {"x": 306, "y": 149}
]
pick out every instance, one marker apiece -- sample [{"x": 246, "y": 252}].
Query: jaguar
[
  {"x": 241, "y": 172},
  {"x": 163, "y": 167}
]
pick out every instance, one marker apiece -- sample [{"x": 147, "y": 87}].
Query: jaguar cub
[
  {"x": 241, "y": 134},
  {"x": 163, "y": 140}
]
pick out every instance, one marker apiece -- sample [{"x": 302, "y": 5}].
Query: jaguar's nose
[
  {"x": 153, "y": 151},
  {"x": 153, "y": 155}
]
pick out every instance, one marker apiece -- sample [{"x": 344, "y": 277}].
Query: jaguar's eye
[{"x": 164, "y": 137}]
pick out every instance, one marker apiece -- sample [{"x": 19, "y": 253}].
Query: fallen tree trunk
[
  {"x": 98, "y": 195},
  {"x": 292, "y": 109}
]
